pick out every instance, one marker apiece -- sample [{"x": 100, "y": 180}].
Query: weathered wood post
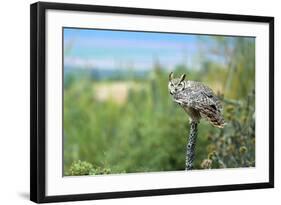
[{"x": 190, "y": 148}]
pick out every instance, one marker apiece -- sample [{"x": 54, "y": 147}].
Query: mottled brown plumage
[{"x": 197, "y": 99}]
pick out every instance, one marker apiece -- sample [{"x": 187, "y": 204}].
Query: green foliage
[
  {"x": 100, "y": 170},
  {"x": 234, "y": 146},
  {"x": 80, "y": 168}
]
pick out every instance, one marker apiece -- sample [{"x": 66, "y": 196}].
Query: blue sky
[{"x": 106, "y": 49}]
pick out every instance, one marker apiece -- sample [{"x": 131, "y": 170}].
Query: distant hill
[{"x": 105, "y": 74}]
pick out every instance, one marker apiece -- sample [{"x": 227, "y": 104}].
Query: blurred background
[{"x": 119, "y": 117}]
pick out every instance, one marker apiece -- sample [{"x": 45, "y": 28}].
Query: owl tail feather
[{"x": 213, "y": 115}]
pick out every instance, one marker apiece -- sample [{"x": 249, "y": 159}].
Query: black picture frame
[{"x": 38, "y": 101}]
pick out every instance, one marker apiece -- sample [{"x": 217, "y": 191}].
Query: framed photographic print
[{"x": 129, "y": 102}]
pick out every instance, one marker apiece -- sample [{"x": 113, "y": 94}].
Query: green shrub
[
  {"x": 234, "y": 146},
  {"x": 79, "y": 168}
]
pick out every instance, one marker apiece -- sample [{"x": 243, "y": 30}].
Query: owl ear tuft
[
  {"x": 182, "y": 77},
  {"x": 171, "y": 76}
]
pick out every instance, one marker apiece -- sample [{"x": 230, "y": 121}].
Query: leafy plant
[
  {"x": 80, "y": 168},
  {"x": 234, "y": 146}
]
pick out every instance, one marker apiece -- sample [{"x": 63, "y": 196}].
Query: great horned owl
[{"x": 197, "y": 100}]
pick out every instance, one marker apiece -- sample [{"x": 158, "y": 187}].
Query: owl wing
[
  {"x": 202, "y": 99},
  {"x": 198, "y": 96}
]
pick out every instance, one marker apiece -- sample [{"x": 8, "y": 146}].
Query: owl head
[{"x": 176, "y": 84}]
